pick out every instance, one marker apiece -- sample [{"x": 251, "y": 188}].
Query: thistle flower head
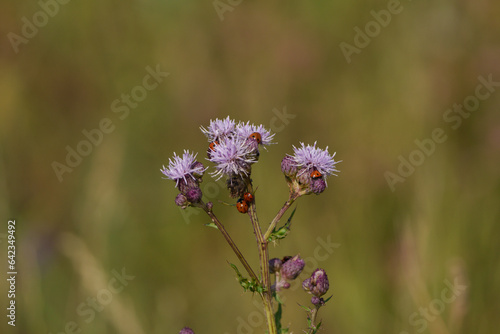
[
  {"x": 317, "y": 284},
  {"x": 291, "y": 268},
  {"x": 255, "y": 132},
  {"x": 309, "y": 158},
  {"x": 194, "y": 195},
  {"x": 219, "y": 129},
  {"x": 288, "y": 166},
  {"x": 232, "y": 156},
  {"x": 183, "y": 168}
]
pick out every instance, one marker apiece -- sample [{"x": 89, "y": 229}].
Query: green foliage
[
  {"x": 281, "y": 232},
  {"x": 278, "y": 315},
  {"x": 248, "y": 285},
  {"x": 212, "y": 225}
]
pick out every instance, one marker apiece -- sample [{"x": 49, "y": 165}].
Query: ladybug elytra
[
  {"x": 242, "y": 206},
  {"x": 316, "y": 174},
  {"x": 256, "y": 136},
  {"x": 213, "y": 144},
  {"x": 248, "y": 197}
]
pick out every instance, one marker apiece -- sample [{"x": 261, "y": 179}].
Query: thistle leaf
[
  {"x": 279, "y": 233},
  {"x": 247, "y": 284},
  {"x": 212, "y": 225}
]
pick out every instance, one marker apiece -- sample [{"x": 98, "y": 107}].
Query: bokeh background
[{"x": 395, "y": 250}]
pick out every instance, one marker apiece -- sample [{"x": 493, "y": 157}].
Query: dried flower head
[
  {"x": 219, "y": 129},
  {"x": 183, "y": 168}
]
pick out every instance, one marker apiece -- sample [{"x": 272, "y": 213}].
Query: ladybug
[
  {"x": 316, "y": 174},
  {"x": 256, "y": 136},
  {"x": 242, "y": 206},
  {"x": 248, "y": 197},
  {"x": 213, "y": 144}
]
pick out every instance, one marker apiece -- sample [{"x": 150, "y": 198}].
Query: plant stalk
[
  {"x": 314, "y": 314},
  {"x": 279, "y": 215},
  {"x": 230, "y": 241},
  {"x": 264, "y": 265}
]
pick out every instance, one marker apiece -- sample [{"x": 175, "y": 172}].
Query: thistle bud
[
  {"x": 317, "y": 301},
  {"x": 285, "y": 285},
  {"x": 288, "y": 166},
  {"x": 186, "y": 330},
  {"x": 199, "y": 170},
  {"x": 317, "y": 284},
  {"x": 304, "y": 179},
  {"x": 292, "y": 268},
  {"x": 194, "y": 195},
  {"x": 274, "y": 265},
  {"x": 236, "y": 186},
  {"x": 187, "y": 184},
  {"x": 181, "y": 201},
  {"x": 318, "y": 185}
]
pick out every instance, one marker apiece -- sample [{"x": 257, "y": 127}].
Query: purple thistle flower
[
  {"x": 181, "y": 168},
  {"x": 219, "y": 129},
  {"x": 233, "y": 156},
  {"x": 245, "y": 130},
  {"x": 308, "y": 158}
]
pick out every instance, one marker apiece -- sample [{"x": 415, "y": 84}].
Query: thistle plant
[{"x": 233, "y": 148}]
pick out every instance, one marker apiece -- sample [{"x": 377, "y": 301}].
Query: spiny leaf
[
  {"x": 289, "y": 221},
  {"x": 316, "y": 329},
  {"x": 307, "y": 309},
  {"x": 247, "y": 284},
  {"x": 281, "y": 232}
]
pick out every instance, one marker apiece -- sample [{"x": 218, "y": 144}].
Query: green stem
[
  {"x": 286, "y": 206},
  {"x": 264, "y": 265},
  {"x": 230, "y": 241},
  {"x": 314, "y": 314}
]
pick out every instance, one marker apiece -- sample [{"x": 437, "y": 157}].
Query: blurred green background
[{"x": 396, "y": 249}]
